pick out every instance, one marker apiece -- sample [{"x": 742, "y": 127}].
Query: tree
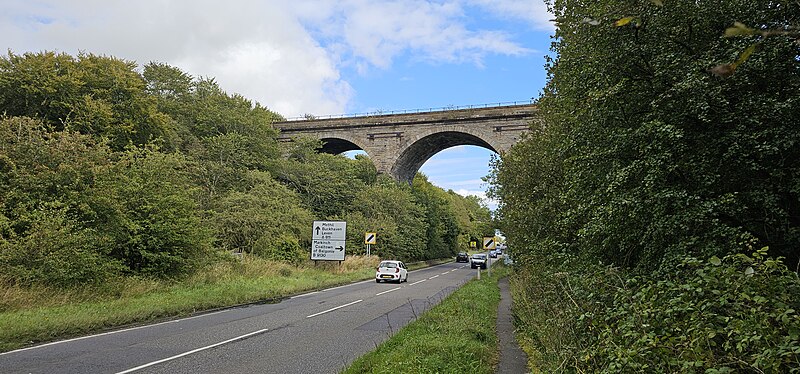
[{"x": 101, "y": 96}]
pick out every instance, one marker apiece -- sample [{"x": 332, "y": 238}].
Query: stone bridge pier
[{"x": 399, "y": 144}]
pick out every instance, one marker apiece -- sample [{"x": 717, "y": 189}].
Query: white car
[{"x": 394, "y": 271}]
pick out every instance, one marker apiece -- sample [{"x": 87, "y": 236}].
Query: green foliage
[
  {"x": 268, "y": 212},
  {"x": 56, "y": 252},
  {"x": 152, "y": 215},
  {"x": 100, "y": 96},
  {"x": 647, "y": 159},
  {"x": 442, "y": 230},
  {"x": 737, "y": 314}
]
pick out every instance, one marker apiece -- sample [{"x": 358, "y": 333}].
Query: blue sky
[{"x": 317, "y": 56}]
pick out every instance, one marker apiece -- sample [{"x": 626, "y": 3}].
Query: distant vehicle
[
  {"x": 493, "y": 254},
  {"x": 391, "y": 271},
  {"x": 478, "y": 259},
  {"x": 462, "y": 257}
]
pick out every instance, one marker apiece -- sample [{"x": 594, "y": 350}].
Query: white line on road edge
[
  {"x": 113, "y": 332},
  {"x": 393, "y": 289},
  {"x": 305, "y": 294},
  {"x": 332, "y": 309},
  {"x": 193, "y": 351},
  {"x": 435, "y": 276},
  {"x": 417, "y": 282}
]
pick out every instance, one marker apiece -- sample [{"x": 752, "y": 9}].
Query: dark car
[{"x": 462, "y": 257}]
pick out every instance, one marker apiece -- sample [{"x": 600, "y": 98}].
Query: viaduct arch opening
[
  {"x": 336, "y": 146},
  {"x": 414, "y": 156}
]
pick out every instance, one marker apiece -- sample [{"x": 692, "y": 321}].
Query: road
[{"x": 318, "y": 332}]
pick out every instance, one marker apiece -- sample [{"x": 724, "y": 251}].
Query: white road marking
[
  {"x": 417, "y": 282},
  {"x": 305, "y": 294},
  {"x": 112, "y": 332},
  {"x": 435, "y": 276},
  {"x": 332, "y": 309},
  {"x": 446, "y": 272},
  {"x": 393, "y": 289},
  {"x": 192, "y": 351}
]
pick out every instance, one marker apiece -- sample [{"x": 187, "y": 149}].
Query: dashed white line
[
  {"x": 332, "y": 309},
  {"x": 192, "y": 351},
  {"x": 435, "y": 276},
  {"x": 417, "y": 282},
  {"x": 445, "y": 272},
  {"x": 393, "y": 289}
]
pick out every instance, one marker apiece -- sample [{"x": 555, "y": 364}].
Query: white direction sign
[{"x": 328, "y": 240}]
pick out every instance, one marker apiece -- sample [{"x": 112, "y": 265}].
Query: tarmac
[{"x": 513, "y": 359}]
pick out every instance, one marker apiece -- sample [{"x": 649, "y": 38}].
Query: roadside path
[{"x": 513, "y": 360}]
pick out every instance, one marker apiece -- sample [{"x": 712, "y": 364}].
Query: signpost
[
  {"x": 328, "y": 240},
  {"x": 369, "y": 239},
  {"x": 490, "y": 243}
]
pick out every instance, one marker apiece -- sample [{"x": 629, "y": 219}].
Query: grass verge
[{"x": 456, "y": 336}]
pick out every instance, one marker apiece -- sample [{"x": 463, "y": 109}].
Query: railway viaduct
[{"x": 400, "y": 143}]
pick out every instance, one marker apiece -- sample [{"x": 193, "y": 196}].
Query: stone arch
[
  {"x": 425, "y": 146},
  {"x": 340, "y": 143}
]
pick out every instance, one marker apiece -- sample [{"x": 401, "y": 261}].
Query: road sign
[
  {"x": 370, "y": 238},
  {"x": 489, "y": 242},
  {"x": 473, "y": 244},
  {"x": 328, "y": 240}
]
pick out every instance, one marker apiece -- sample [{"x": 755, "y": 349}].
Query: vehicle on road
[
  {"x": 391, "y": 271},
  {"x": 478, "y": 260},
  {"x": 493, "y": 254},
  {"x": 462, "y": 257}
]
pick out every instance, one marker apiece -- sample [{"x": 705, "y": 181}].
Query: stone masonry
[{"x": 399, "y": 144}]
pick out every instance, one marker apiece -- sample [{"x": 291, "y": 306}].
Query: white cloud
[
  {"x": 257, "y": 49},
  {"x": 532, "y": 11},
  {"x": 492, "y": 204},
  {"x": 375, "y": 32},
  {"x": 287, "y": 54}
]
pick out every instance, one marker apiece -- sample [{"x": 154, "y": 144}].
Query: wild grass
[
  {"x": 32, "y": 315},
  {"x": 456, "y": 336}
]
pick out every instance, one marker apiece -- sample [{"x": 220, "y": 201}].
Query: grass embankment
[
  {"x": 29, "y": 316},
  {"x": 456, "y": 336}
]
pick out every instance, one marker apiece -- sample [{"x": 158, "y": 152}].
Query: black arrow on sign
[
  {"x": 317, "y": 230},
  {"x": 340, "y": 248}
]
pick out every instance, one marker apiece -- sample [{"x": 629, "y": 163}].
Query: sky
[{"x": 318, "y": 57}]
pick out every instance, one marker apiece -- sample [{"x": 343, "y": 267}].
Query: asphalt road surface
[{"x": 318, "y": 332}]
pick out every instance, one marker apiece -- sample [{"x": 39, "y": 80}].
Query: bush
[
  {"x": 735, "y": 314},
  {"x": 56, "y": 252},
  {"x": 285, "y": 248}
]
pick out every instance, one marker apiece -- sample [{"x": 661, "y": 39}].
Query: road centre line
[
  {"x": 332, "y": 309},
  {"x": 393, "y": 289},
  {"x": 193, "y": 351},
  {"x": 417, "y": 282},
  {"x": 446, "y": 272},
  {"x": 112, "y": 332},
  {"x": 435, "y": 276}
]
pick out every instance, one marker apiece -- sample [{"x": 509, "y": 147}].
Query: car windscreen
[
  {"x": 480, "y": 257},
  {"x": 388, "y": 265}
]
